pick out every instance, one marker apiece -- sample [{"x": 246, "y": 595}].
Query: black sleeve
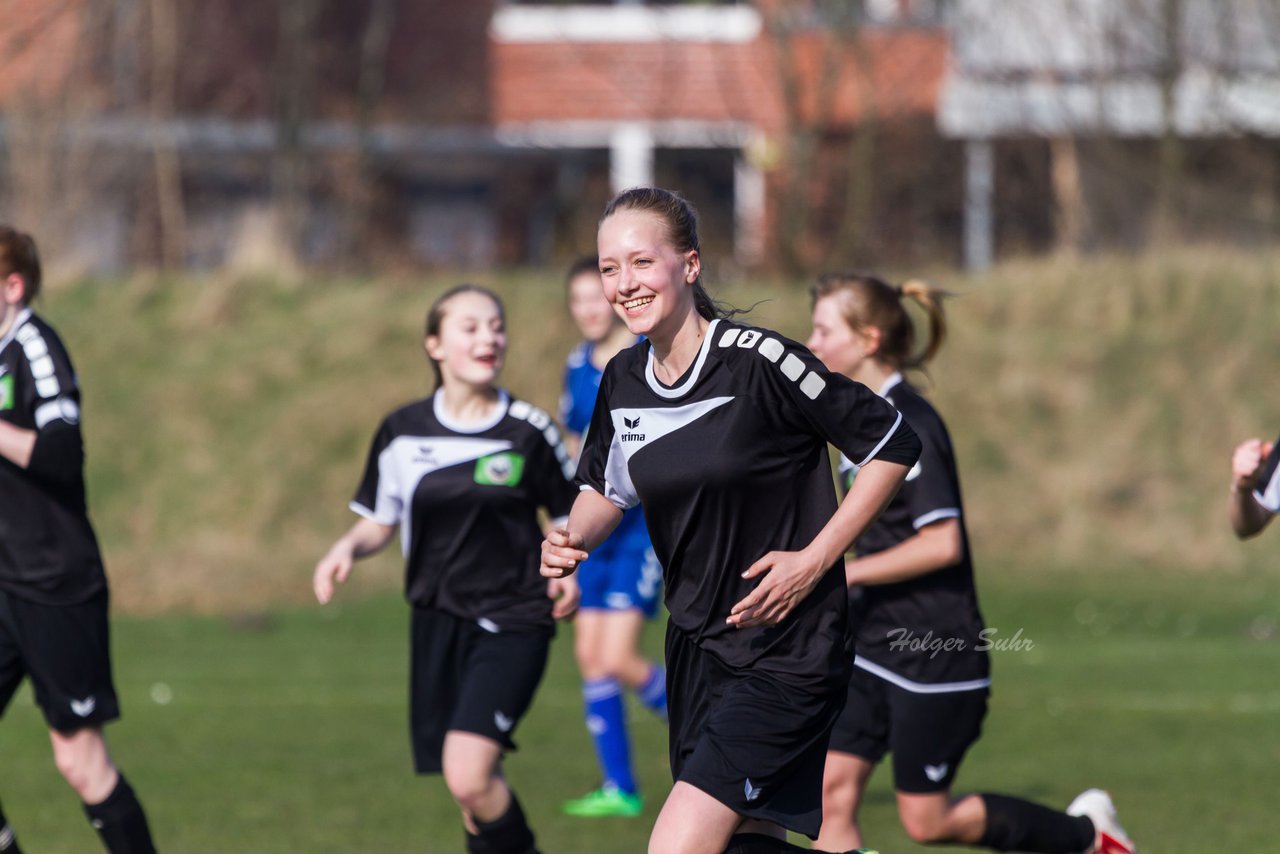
[
  {"x": 551, "y": 467},
  {"x": 930, "y": 490},
  {"x": 51, "y": 395},
  {"x": 809, "y": 398},
  {"x": 601, "y": 465},
  {"x": 379, "y": 496}
]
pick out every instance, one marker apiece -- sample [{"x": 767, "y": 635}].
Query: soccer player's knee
[
  {"x": 470, "y": 787},
  {"x": 924, "y": 828}
]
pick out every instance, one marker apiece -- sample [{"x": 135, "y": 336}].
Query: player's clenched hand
[
  {"x": 561, "y": 553},
  {"x": 335, "y": 566},
  {"x": 788, "y": 578},
  {"x": 1247, "y": 460},
  {"x": 565, "y": 593}
]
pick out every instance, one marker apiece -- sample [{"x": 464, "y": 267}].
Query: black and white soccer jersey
[
  {"x": 1267, "y": 492},
  {"x": 48, "y": 551},
  {"x": 922, "y": 634},
  {"x": 466, "y": 499},
  {"x": 729, "y": 464}
]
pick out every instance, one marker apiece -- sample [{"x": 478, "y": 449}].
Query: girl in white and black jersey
[
  {"x": 719, "y": 431},
  {"x": 462, "y": 475},
  {"x": 920, "y": 680}
]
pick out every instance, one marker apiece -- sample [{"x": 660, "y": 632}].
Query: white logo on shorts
[
  {"x": 935, "y": 772},
  {"x": 84, "y": 707},
  {"x": 503, "y": 722},
  {"x": 752, "y": 792}
]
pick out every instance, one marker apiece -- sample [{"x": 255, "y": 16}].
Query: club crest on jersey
[
  {"x": 6, "y": 392},
  {"x": 503, "y": 469}
]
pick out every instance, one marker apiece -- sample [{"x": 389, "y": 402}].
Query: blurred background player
[
  {"x": 913, "y": 579},
  {"x": 1255, "y": 486},
  {"x": 53, "y": 589},
  {"x": 720, "y": 430},
  {"x": 621, "y": 582},
  {"x": 462, "y": 474}
]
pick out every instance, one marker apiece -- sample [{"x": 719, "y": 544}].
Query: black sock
[
  {"x": 8, "y": 842},
  {"x": 758, "y": 843},
  {"x": 1017, "y": 825},
  {"x": 509, "y": 833},
  {"x": 121, "y": 822}
]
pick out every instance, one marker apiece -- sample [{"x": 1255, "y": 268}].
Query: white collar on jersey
[
  {"x": 23, "y": 317},
  {"x": 889, "y": 382},
  {"x": 682, "y": 389},
  {"x": 437, "y": 406}
]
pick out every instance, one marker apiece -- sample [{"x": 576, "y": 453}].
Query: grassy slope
[
  {"x": 288, "y": 733},
  {"x": 1094, "y": 406}
]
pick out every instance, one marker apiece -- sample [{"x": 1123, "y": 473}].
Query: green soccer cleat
[{"x": 604, "y": 802}]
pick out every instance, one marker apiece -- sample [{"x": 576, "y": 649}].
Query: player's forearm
[
  {"x": 1248, "y": 517},
  {"x": 365, "y": 537},
  {"x": 874, "y": 487},
  {"x": 17, "y": 444},
  {"x": 592, "y": 518},
  {"x": 934, "y": 547}
]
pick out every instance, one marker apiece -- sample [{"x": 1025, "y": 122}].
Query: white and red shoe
[{"x": 1096, "y": 805}]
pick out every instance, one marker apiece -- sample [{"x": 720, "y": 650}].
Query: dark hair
[
  {"x": 584, "y": 264},
  {"x": 867, "y": 300},
  {"x": 681, "y": 222},
  {"x": 18, "y": 255},
  {"x": 435, "y": 315}
]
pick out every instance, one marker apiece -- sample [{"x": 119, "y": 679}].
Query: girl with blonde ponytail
[{"x": 921, "y": 676}]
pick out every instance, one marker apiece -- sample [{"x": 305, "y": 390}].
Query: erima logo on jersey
[
  {"x": 936, "y": 772},
  {"x": 752, "y": 792},
  {"x": 84, "y": 707},
  {"x": 504, "y": 469},
  {"x": 502, "y": 722},
  {"x": 915, "y": 471},
  {"x": 631, "y": 424}
]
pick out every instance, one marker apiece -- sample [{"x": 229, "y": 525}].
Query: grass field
[{"x": 285, "y": 731}]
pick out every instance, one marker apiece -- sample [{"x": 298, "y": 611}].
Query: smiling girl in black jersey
[
  {"x": 462, "y": 474},
  {"x": 921, "y": 676},
  {"x": 719, "y": 431}
]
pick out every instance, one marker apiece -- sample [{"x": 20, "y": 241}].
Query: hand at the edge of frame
[
  {"x": 1247, "y": 461},
  {"x": 788, "y": 578},
  {"x": 561, "y": 553},
  {"x": 566, "y": 594},
  {"x": 335, "y": 566}
]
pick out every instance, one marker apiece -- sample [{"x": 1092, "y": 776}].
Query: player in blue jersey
[
  {"x": 719, "y": 430},
  {"x": 620, "y": 584},
  {"x": 912, "y": 579},
  {"x": 462, "y": 475}
]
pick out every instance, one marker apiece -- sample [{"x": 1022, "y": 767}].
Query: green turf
[{"x": 286, "y": 732}]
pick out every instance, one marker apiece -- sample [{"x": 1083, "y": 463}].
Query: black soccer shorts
[
  {"x": 466, "y": 678},
  {"x": 928, "y": 734},
  {"x": 65, "y": 650},
  {"x": 751, "y": 741}
]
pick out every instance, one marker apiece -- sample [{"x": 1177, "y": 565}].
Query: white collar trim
[
  {"x": 889, "y": 382},
  {"x": 683, "y": 388},
  {"x": 499, "y": 411}
]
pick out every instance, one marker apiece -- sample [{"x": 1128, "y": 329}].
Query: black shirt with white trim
[
  {"x": 466, "y": 499},
  {"x": 1267, "y": 492},
  {"x": 924, "y": 633},
  {"x": 48, "y": 551},
  {"x": 731, "y": 463}
]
